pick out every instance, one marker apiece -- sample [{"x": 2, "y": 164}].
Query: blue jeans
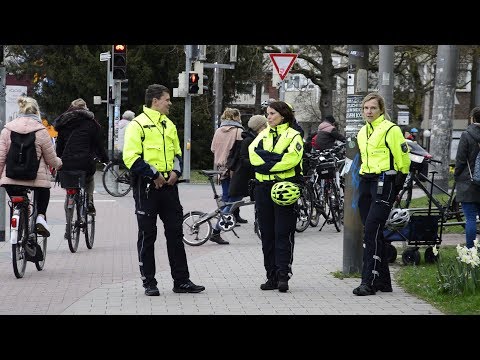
[{"x": 471, "y": 210}]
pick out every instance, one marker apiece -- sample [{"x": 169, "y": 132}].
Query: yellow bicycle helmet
[{"x": 285, "y": 193}]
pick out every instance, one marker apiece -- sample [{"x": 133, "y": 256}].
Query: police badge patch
[
  {"x": 299, "y": 146},
  {"x": 404, "y": 147}
]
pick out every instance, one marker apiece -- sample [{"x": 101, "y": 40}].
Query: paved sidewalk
[{"x": 105, "y": 280}]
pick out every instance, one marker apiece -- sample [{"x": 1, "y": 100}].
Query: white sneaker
[{"x": 41, "y": 227}]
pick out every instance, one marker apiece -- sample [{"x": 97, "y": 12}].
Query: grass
[
  {"x": 197, "y": 178},
  {"x": 341, "y": 275},
  {"x": 421, "y": 281}
]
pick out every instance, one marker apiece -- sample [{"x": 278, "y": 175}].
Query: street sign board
[
  {"x": 105, "y": 56},
  {"x": 283, "y": 62}
]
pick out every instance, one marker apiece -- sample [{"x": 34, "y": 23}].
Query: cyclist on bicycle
[
  {"x": 79, "y": 142},
  {"x": 29, "y": 121}
]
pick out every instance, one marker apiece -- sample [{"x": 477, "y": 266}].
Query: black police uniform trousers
[
  {"x": 165, "y": 203},
  {"x": 277, "y": 226},
  {"x": 374, "y": 211}
]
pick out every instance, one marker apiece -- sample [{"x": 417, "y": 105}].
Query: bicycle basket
[
  {"x": 71, "y": 179},
  {"x": 326, "y": 170}
]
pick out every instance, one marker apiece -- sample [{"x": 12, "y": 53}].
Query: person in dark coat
[
  {"x": 79, "y": 142},
  {"x": 467, "y": 193},
  {"x": 244, "y": 171},
  {"x": 327, "y": 134}
]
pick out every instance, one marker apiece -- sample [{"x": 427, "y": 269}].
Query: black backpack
[{"x": 22, "y": 162}]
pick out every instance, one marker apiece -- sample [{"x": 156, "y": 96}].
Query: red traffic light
[{"x": 119, "y": 48}]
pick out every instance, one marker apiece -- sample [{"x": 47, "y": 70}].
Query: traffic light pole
[
  {"x": 281, "y": 93},
  {"x": 110, "y": 95},
  {"x": 187, "y": 126},
  {"x": 2, "y": 124}
]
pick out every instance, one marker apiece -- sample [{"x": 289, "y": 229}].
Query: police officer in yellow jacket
[
  {"x": 385, "y": 165},
  {"x": 276, "y": 155},
  {"x": 152, "y": 152}
]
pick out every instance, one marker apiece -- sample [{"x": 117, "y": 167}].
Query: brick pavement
[{"x": 105, "y": 280}]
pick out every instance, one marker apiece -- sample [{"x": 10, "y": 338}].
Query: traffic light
[
  {"x": 119, "y": 62},
  {"x": 193, "y": 79},
  {"x": 203, "y": 84},
  {"x": 124, "y": 92}
]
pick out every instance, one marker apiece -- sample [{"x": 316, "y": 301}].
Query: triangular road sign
[{"x": 283, "y": 62}]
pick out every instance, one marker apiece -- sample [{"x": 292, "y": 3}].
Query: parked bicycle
[
  {"x": 27, "y": 245},
  {"x": 116, "y": 178},
  {"x": 325, "y": 186},
  {"x": 76, "y": 204},
  {"x": 197, "y": 225}
]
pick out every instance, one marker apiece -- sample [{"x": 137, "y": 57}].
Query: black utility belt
[{"x": 376, "y": 176}]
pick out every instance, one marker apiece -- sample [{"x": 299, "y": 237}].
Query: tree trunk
[{"x": 443, "y": 109}]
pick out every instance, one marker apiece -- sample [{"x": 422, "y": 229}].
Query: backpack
[
  {"x": 22, "y": 162},
  {"x": 475, "y": 176}
]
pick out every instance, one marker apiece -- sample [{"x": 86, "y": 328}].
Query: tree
[{"x": 443, "y": 108}]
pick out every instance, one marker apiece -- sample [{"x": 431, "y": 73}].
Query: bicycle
[
  {"x": 27, "y": 245},
  {"x": 326, "y": 186},
  {"x": 448, "y": 210},
  {"x": 197, "y": 226},
  {"x": 77, "y": 217},
  {"x": 116, "y": 178}
]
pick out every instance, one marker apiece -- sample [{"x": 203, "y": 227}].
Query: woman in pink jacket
[{"x": 28, "y": 121}]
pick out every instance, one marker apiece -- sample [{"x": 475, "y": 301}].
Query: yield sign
[{"x": 283, "y": 62}]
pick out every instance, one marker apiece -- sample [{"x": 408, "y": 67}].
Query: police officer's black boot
[
  {"x": 271, "y": 283},
  {"x": 283, "y": 282}
]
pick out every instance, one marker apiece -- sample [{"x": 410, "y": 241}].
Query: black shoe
[
  {"x": 91, "y": 209},
  {"x": 383, "y": 287},
  {"x": 270, "y": 284},
  {"x": 218, "y": 239},
  {"x": 188, "y": 287},
  {"x": 152, "y": 290},
  {"x": 282, "y": 286},
  {"x": 364, "y": 290},
  {"x": 241, "y": 220}
]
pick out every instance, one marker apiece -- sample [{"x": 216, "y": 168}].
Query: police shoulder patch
[
  {"x": 404, "y": 147},
  {"x": 299, "y": 146}
]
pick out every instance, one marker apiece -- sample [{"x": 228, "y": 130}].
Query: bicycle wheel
[
  {"x": 19, "y": 257},
  {"x": 304, "y": 210},
  {"x": 195, "y": 235},
  {"x": 90, "y": 230},
  {"x": 316, "y": 206},
  {"x": 42, "y": 242},
  {"x": 334, "y": 203},
  {"x": 72, "y": 230},
  {"x": 116, "y": 181},
  {"x": 315, "y": 217}
]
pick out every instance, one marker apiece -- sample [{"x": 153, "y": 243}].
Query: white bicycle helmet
[{"x": 397, "y": 219}]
